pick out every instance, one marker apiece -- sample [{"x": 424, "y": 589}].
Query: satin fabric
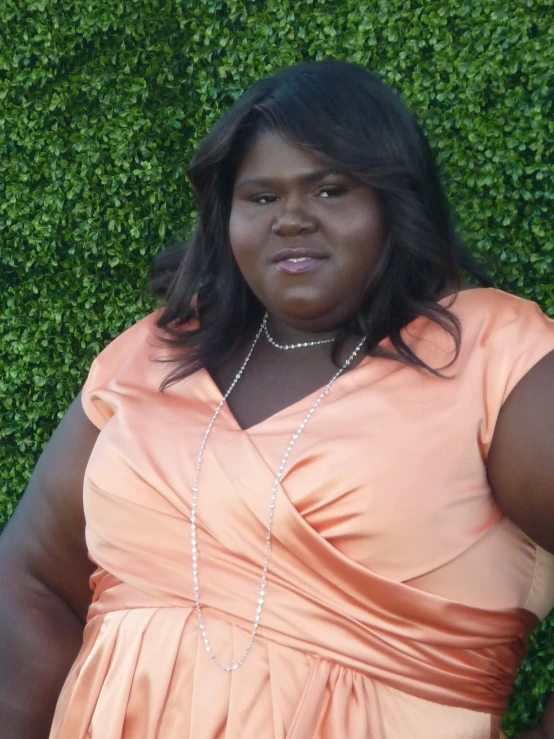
[{"x": 399, "y": 599}]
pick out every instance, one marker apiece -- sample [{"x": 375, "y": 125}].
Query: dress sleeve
[
  {"x": 517, "y": 336},
  {"x": 94, "y": 407},
  {"x": 112, "y": 368}
]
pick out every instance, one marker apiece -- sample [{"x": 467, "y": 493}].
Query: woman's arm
[
  {"x": 44, "y": 573},
  {"x": 521, "y": 458},
  {"x": 521, "y": 469}
]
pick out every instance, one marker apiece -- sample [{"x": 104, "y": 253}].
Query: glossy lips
[{"x": 297, "y": 261}]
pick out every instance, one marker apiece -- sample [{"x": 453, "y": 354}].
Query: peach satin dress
[{"x": 399, "y": 598}]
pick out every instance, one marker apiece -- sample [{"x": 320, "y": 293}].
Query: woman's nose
[{"x": 293, "y": 220}]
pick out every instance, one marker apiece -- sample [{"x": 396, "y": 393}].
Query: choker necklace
[
  {"x": 279, "y": 474},
  {"x": 291, "y": 346}
]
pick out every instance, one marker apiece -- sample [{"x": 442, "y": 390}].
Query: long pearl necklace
[{"x": 193, "y": 533}]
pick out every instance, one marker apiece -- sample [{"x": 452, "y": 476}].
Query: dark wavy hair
[{"x": 355, "y": 123}]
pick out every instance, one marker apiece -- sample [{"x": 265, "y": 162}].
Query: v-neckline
[
  {"x": 288, "y": 409},
  {"x": 304, "y": 401}
]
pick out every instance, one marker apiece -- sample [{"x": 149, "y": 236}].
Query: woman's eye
[
  {"x": 332, "y": 191},
  {"x": 263, "y": 199}
]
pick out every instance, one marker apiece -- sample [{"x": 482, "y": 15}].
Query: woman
[{"x": 333, "y": 517}]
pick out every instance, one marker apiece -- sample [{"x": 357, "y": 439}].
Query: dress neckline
[
  {"x": 351, "y": 377},
  {"x": 292, "y": 409}
]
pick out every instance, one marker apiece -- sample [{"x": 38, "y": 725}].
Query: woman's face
[{"x": 306, "y": 238}]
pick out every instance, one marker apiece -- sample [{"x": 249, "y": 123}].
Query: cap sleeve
[
  {"x": 95, "y": 409},
  {"x": 114, "y": 368},
  {"x": 517, "y": 336}
]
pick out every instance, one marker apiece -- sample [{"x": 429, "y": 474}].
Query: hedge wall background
[{"x": 103, "y": 102}]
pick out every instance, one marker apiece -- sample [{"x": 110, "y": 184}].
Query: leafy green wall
[{"x": 103, "y": 102}]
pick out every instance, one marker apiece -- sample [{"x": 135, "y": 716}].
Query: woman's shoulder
[
  {"x": 498, "y": 331},
  {"x": 129, "y": 342},
  {"x": 487, "y": 309},
  {"x": 507, "y": 333},
  {"x": 490, "y": 298},
  {"x": 140, "y": 328}
]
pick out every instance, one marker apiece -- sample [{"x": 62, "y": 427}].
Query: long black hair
[{"x": 351, "y": 120}]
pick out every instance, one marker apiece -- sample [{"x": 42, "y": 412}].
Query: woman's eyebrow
[{"x": 301, "y": 179}]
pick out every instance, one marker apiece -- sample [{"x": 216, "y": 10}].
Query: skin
[
  {"x": 44, "y": 572},
  {"x": 44, "y": 568},
  {"x": 287, "y": 198},
  {"x": 347, "y": 224}
]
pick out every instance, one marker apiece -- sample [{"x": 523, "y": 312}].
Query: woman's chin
[{"x": 318, "y": 315}]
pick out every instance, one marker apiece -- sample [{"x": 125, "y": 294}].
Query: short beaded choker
[
  {"x": 279, "y": 474},
  {"x": 292, "y": 346}
]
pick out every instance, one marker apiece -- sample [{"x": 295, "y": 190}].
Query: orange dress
[{"x": 399, "y": 598}]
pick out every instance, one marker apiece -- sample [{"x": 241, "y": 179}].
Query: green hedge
[{"x": 103, "y": 102}]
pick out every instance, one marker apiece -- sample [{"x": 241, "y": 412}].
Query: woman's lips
[
  {"x": 297, "y": 260},
  {"x": 298, "y": 265}
]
